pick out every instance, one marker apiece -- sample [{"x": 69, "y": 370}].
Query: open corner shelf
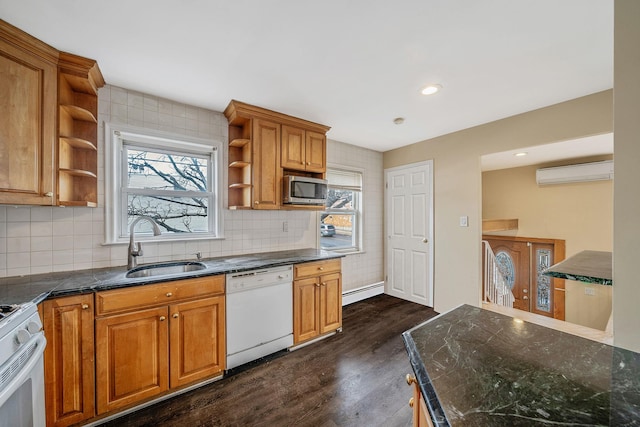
[{"x": 78, "y": 82}]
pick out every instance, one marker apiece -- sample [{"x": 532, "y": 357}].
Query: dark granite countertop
[
  {"x": 586, "y": 266},
  {"x": 35, "y": 288},
  {"x": 479, "y": 368}
]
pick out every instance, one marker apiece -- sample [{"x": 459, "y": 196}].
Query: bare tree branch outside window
[{"x": 170, "y": 188}]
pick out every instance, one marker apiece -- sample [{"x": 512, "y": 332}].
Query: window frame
[
  {"x": 118, "y": 139},
  {"x": 357, "y": 211}
]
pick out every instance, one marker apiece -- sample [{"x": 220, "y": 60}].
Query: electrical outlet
[
  {"x": 590, "y": 291},
  {"x": 464, "y": 221}
]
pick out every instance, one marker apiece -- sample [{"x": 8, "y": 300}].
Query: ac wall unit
[{"x": 583, "y": 172}]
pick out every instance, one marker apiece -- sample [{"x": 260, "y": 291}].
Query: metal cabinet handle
[
  {"x": 169, "y": 294},
  {"x": 162, "y": 318},
  {"x": 85, "y": 306},
  {"x": 321, "y": 268},
  {"x": 175, "y": 315},
  {"x": 323, "y": 284},
  {"x": 48, "y": 194},
  {"x": 411, "y": 379},
  {"x": 411, "y": 402},
  {"x": 318, "y": 285},
  {"x": 525, "y": 297}
]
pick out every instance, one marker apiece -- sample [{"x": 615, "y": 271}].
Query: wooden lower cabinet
[
  {"x": 197, "y": 337},
  {"x": 146, "y": 351},
  {"x": 421, "y": 417},
  {"x": 132, "y": 357},
  {"x": 317, "y": 299},
  {"x": 69, "y": 359}
]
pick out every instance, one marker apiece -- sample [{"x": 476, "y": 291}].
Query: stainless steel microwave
[{"x": 302, "y": 190}]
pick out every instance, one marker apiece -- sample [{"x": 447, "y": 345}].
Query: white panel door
[{"x": 409, "y": 229}]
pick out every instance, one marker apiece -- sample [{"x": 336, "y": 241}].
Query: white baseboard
[{"x": 359, "y": 294}]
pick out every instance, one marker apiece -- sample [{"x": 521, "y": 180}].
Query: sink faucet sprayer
[{"x": 133, "y": 253}]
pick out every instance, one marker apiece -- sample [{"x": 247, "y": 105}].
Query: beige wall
[
  {"x": 458, "y": 188},
  {"x": 626, "y": 233},
  {"x": 581, "y": 214}
]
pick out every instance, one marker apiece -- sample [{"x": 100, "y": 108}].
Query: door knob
[{"x": 425, "y": 240}]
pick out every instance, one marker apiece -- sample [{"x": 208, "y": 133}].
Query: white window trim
[
  {"x": 359, "y": 214},
  {"x": 115, "y": 134}
]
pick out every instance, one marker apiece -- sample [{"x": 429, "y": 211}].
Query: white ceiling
[
  {"x": 353, "y": 65},
  {"x": 596, "y": 145}
]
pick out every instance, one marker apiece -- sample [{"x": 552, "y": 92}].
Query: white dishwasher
[{"x": 259, "y": 313}]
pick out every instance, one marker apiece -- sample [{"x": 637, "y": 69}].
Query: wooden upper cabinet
[
  {"x": 28, "y": 97},
  {"x": 263, "y": 147},
  {"x": 293, "y": 148},
  {"x": 303, "y": 150},
  {"x": 48, "y": 123},
  {"x": 316, "y": 152},
  {"x": 267, "y": 175}
]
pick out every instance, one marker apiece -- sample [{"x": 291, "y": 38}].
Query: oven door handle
[{"x": 25, "y": 370}]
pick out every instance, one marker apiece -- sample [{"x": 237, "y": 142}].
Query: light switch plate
[{"x": 464, "y": 221}]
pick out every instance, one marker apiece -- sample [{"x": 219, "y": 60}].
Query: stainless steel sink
[{"x": 165, "y": 269}]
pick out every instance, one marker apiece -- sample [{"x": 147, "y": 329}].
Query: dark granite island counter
[{"x": 476, "y": 367}]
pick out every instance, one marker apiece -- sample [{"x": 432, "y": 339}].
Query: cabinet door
[
  {"x": 131, "y": 357},
  {"x": 306, "y": 307},
  {"x": 197, "y": 340},
  {"x": 267, "y": 174},
  {"x": 315, "y": 151},
  {"x": 330, "y": 302},
  {"x": 27, "y": 127},
  {"x": 293, "y": 148},
  {"x": 69, "y": 359}
]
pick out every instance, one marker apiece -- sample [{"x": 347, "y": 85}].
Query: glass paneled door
[{"x": 521, "y": 262}]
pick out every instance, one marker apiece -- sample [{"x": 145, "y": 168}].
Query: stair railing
[{"x": 496, "y": 290}]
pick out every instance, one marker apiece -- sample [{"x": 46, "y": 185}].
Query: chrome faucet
[{"x": 133, "y": 253}]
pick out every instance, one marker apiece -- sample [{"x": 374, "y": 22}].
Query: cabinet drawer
[
  {"x": 119, "y": 300},
  {"x": 317, "y": 267}
]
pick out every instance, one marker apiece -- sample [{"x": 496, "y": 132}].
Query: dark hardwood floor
[{"x": 355, "y": 378}]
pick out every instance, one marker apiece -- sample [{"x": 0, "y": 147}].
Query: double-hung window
[
  {"x": 174, "y": 180},
  {"x": 341, "y": 221}
]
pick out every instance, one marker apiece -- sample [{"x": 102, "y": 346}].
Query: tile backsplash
[{"x": 36, "y": 240}]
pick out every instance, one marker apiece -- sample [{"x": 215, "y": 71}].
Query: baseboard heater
[{"x": 364, "y": 292}]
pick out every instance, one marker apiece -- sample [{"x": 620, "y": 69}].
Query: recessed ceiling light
[
  {"x": 430, "y": 89},
  {"x": 521, "y": 154},
  {"x": 398, "y": 120}
]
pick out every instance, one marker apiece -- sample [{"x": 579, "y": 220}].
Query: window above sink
[{"x": 173, "y": 179}]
